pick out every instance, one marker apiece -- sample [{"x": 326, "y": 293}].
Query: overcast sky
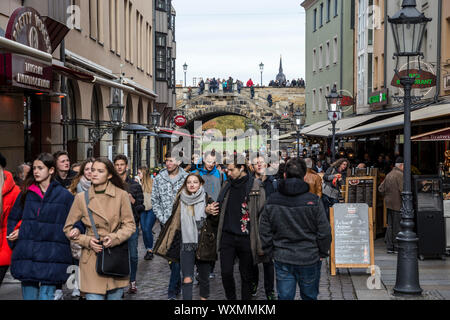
[{"x": 232, "y": 37}]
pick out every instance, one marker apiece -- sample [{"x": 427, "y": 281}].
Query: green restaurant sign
[
  {"x": 378, "y": 99},
  {"x": 424, "y": 79}
]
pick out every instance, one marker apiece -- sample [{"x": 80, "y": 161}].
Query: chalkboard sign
[{"x": 352, "y": 231}]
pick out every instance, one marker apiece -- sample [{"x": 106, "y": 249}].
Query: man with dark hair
[
  {"x": 165, "y": 188},
  {"x": 64, "y": 175},
  {"x": 136, "y": 195},
  {"x": 295, "y": 231}
]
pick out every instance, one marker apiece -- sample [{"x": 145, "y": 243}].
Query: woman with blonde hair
[{"x": 148, "y": 217}]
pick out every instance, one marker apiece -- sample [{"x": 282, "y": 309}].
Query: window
[
  {"x": 320, "y": 99},
  {"x": 328, "y": 54},
  {"x": 335, "y": 8},
  {"x": 139, "y": 41},
  {"x": 112, "y": 25},
  {"x": 328, "y": 10},
  {"x": 169, "y": 66},
  {"x": 375, "y": 74},
  {"x": 321, "y": 14},
  {"x": 370, "y": 74},
  {"x": 93, "y": 5},
  {"x": 320, "y": 57},
  {"x": 161, "y": 5},
  {"x": 314, "y": 60},
  {"x": 315, "y": 19},
  {"x": 335, "y": 50},
  {"x": 149, "y": 49},
  {"x": 161, "y": 56},
  {"x": 314, "y": 101}
]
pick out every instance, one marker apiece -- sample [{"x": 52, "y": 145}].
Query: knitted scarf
[
  {"x": 83, "y": 185},
  {"x": 192, "y": 218}
]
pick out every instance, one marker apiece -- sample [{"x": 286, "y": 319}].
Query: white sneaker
[
  {"x": 59, "y": 295},
  {"x": 76, "y": 293}
]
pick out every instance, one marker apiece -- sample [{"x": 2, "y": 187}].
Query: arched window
[
  {"x": 129, "y": 111},
  {"x": 95, "y": 107},
  {"x": 71, "y": 112}
]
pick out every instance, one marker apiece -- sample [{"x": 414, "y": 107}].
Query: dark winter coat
[
  {"x": 68, "y": 180},
  {"x": 42, "y": 253},
  {"x": 135, "y": 189},
  {"x": 256, "y": 201},
  {"x": 294, "y": 228}
]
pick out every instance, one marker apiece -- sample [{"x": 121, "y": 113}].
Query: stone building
[{"x": 77, "y": 55}]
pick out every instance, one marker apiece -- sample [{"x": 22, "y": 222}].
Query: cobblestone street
[{"x": 153, "y": 279}]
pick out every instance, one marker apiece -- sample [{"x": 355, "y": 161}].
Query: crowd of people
[
  {"x": 55, "y": 215},
  {"x": 299, "y": 83},
  {"x": 227, "y": 85}
]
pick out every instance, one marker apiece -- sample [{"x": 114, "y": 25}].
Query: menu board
[{"x": 352, "y": 232}]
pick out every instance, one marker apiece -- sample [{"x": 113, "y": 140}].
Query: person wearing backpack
[
  {"x": 112, "y": 215},
  {"x": 41, "y": 252}
]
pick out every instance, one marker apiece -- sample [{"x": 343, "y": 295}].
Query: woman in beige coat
[{"x": 113, "y": 217}]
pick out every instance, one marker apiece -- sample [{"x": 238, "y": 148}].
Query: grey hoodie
[{"x": 164, "y": 192}]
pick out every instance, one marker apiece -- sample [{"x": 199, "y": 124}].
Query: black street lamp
[
  {"x": 298, "y": 121},
  {"x": 408, "y": 27},
  {"x": 261, "y": 68},
  {"x": 334, "y": 114},
  {"x": 115, "y": 111},
  {"x": 185, "y": 66}
]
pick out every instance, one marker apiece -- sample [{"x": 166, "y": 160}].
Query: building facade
[
  {"x": 329, "y": 54},
  {"x": 101, "y": 52}
]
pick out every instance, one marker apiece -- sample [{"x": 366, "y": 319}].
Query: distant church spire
[{"x": 281, "y": 77}]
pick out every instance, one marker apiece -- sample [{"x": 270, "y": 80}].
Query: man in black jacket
[
  {"x": 295, "y": 231},
  {"x": 137, "y": 204}
]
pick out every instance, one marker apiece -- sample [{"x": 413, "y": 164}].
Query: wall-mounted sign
[
  {"x": 347, "y": 101},
  {"x": 26, "y": 26},
  {"x": 424, "y": 79},
  {"x": 378, "y": 99}
]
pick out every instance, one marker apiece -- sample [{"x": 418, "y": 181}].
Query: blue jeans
[
  {"x": 115, "y": 294},
  {"x": 175, "y": 279},
  {"x": 148, "y": 219},
  {"x": 307, "y": 278},
  {"x": 133, "y": 248},
  {"x": 32, "y": 291}
]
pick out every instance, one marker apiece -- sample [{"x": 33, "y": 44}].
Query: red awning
[
  {"x": 70, "y": 73},
  {"x": 177, "y": 133},
  {"x": 437, "y": 135}
]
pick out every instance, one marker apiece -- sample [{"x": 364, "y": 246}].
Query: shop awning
[
  {"x": 437, "y": 135},
  {"x": 430, "y": 112},
  {"x": 342, "y": 125},
  {"x": 314, "y": 126},
  {"x": 70, "y": 73}
]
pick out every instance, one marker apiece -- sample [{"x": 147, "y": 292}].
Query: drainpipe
[
  {"x": 385, "y": 43},
  {"x": 341, "y": 79},
  {"x": 64, "y": 100},
  {"x": 439, "y": 53}
]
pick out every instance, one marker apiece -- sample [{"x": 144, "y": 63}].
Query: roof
[{"x": 430, "y": 112}]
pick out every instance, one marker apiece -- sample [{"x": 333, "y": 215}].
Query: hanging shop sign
[
  {"x": 378, "y": 99},
  {"x": 347, "y": 101},
  {"x": 424, "y": 79},
  {"x": 26, "y": 27},
  {"x": 180, "y": 121}
]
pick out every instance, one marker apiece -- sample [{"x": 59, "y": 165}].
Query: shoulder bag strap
[{"x": 94, "y": 228}]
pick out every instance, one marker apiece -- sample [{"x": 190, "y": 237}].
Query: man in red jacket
[
  {"x": 250, "y": 83},
  {"x": 10, "y": 192}
]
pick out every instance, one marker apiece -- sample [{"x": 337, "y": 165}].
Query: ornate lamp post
[
  {"x": 115, "y": 111},
  {"x": 261, "y": 68},
  {"x": 334, "y": 114},
  {"x": 185, "y": 66},
  {"x": 298, "y": 121},
  {"x": 408, "y": 28}
]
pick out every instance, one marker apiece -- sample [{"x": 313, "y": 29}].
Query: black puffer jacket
[
  {"x": 294, "y": 228},
  {"x": 135, "y": 189}
]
